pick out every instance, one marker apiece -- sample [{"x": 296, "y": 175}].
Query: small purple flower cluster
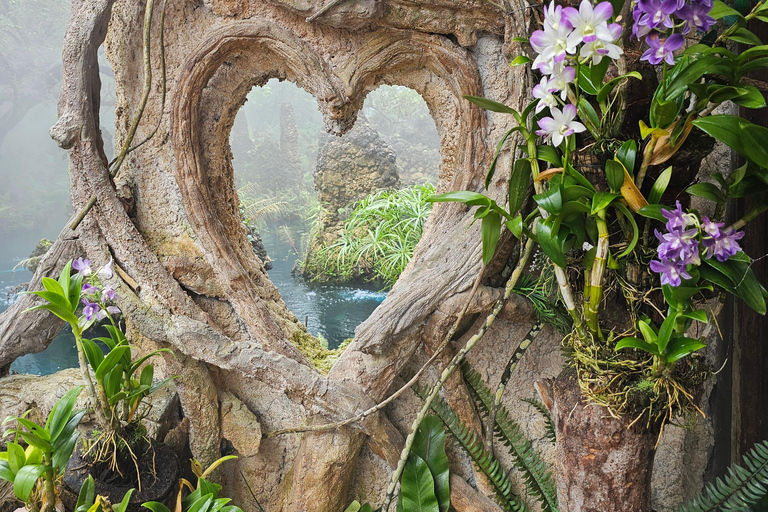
[
  {"x": 564, "y": 30},
  {"x": 95, "y": 298},
  {"x": 654, "y": 18},
  {"x": 684, "y": 241}
]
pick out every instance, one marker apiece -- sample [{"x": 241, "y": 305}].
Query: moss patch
[{"x": 318, "y": 352}]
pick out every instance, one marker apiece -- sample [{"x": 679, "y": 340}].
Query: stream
[{"x": 329, "y": 311}]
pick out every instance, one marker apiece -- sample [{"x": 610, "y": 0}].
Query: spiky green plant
[
  {"x": 473, "y": 444},
  {"x": 379, "y": 236},
  {"x": 549, "y": 425},
  {"x": 533, "y": 469},
  {"x": 742, "y": 486}
]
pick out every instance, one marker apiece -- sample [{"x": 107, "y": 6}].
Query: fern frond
[
  {"x": 534, "y": 471},
  {"x": 740, "y": 488},
  {"x": 549, "y": 425},
  {"x": 473, "y": 445}
]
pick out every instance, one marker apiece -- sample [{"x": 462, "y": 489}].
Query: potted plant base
[{"x": 158, "y": 470}]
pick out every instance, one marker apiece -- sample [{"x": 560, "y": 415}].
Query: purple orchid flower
[
  {"x": 679, "y": 246},
  {"x": 108, "y": 294},
  {"x": 83, "y": 266},
  {"x": 656, "y": 13},
  {"x": 106, "y": 271},
  {"x": 560, "y": 125},
  {"x": 696, "y": 16},
  {"x": 671, "y": 272},
  {"x": 677, "y": 219},
  {"x": 109, "y": 310},
  {"x": 90, "y": 309},
  {"x": 89, "y": 289},
  {"x": 662, "y": 50}
]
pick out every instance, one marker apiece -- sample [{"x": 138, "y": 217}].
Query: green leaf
[
  {"x": 635, "y": 230},
  {"x": 666, "y": 330},
  {"x": 155, "y": 506},
  {"x": 5, "y": 471},
  {"x": 614, "y": 173},
  {"x": 550, "y": 242},
  {"x": 86, "y": 495},
  {"x": 699, "y": 315},
  {"x": 515, "y": 225},
  {"x": 26, "y": 479},
  {"x": 64, "y": 314},
  {"x": 37, "y": 442},
  {"x": 462, "y": 196},
  {"x": 587, "y": 113},
  {"x": 648, "y": 332},
  {"x": 16, "y": 457},
  {"x": 112, "y": 380},
  {"x": 627, "y": 154},
  {"x": 606, "y": 89},
  {"x": 631, "y": 342},
  {"x": 147, "y": 374},
  {"x": 124, "y": 503},
  {"x": 492, "y": 168},
  {"x": 720, "y": 10},
  {"x": 491, "y": 230},
  {"x": 417, "y": 488},
  {"x": 744, "y": 36},
  {"x": 65, "y": 443},
  {"x": 660, "y": 186},
  {"x": 109, "y": 362},
  {"x": 136, "y": 364},
  {"x": 663, "y": 113},
  {"x": 653, "y": 211},
  {"x": 680, "y": 347},
  {"x": 64, "y": 279},
  {"x": 93, "y": 352},
  {"x": 62, "y": 412},
  {"x": 34, "y": 428},
  {"x": 745, "y": 284},
  {"x": 519, "y": 181},
  {"x": 748, "y": 139},
  {"x": 549, "y": 154},
  {"x": 55, "y": 298},
  {"x": 429, "y": 444},
  {"x": 601, "y": 200},
  {"x": 353, "y": 507},
  {"x": 707, "y": 191},
  {"x": 493, "y": 106},
  {"x": 520, "y": 60},
  {"x": 551, "y": 200}
]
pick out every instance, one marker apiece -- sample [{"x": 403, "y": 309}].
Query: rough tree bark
[{"x": 170, "y": 221}]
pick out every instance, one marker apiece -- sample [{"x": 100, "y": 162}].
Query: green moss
[{"x": 318, "y": 352}]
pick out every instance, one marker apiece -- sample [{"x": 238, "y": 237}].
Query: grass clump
[{"x": 378, "y": 239}]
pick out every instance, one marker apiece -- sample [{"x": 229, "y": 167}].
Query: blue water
[{"x": 330, "y": 311}]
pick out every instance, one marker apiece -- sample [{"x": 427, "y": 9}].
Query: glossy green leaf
[
  {"x": 492, "y": 169},
  {"x": 589, "y": 116},
  {"x": 93, "y": 352},
  {"x": 626, "y": 154},
  {"x": 721, "y": 10},
  {"x": 5, "y": 471},
  {"x": 37, "y": 442},
  {"x": 664, "y": 113},
  {"x": 660, "y": 186},
  {"x": 34, "y": 428},
  {"x": 429, "y": 444},
  {"x": 550, "y": 242},
  {"x": 65, "y": 443},
  {"x": 665, "y": 332},
  {"x": 62, "y": 412},
  {"x": 519, "y": 181},
  {"x": 353, "y": 507},
  {"x": 86, "y": 495},
  {"x": 155, "y": 506},
  {"x": 579, "y": 178},
  {"x": 34, "y": 455},
  {"x": 653, "y": 211},
  {"x": 707, "y": 191},
  {"x": 111, "y": 360},
  {"x": 16, "y": 457},
  {"x": 748, "y": 139},
  {"x": 113, "y": 380},
  {"x": 25, "y": 480},
  {"x": 55, "y": 298},
  {"x": 493, "y": 106},
  {"x": 681, "y": 347},
  {"x": 549, "y": 154},
  {"x": 417, "y": 488},
  {"x": 147, "y": 374},
  {"x": 515, "y": 225},
  {"x": 123, "y": 505},
  {"x": 745, "y": 36},
  {"x": 753, "y": 65},
  {"x": 631, "y": 342},
  {"x": 614, "y": 173},
  {"x": 699, "y": 315},
  {"x": 462, "y": 196},
  {"x": 520, "y": 60},
  {"x": 601, "y": 200},
  {"x": 745, "y": 284},
  {"x": 551, "y": 200},
  {"x": 648, "y": 332},
  {"x": 491, "y": 230},
  {"x": 635, "y": 230},
  {"x": 64, "y": 314}
]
